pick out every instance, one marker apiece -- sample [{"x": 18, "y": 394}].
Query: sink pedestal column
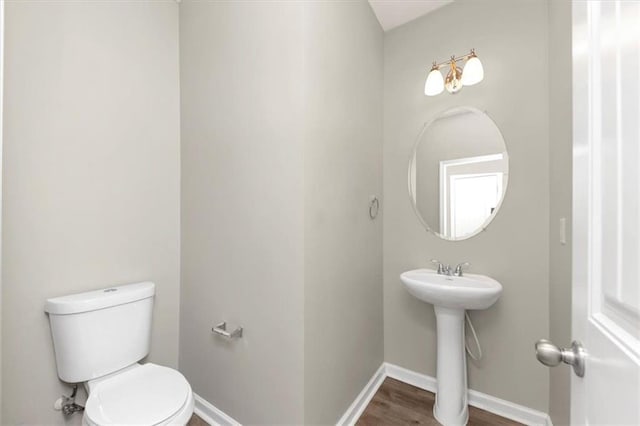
[{"x": 451, "y": 408}]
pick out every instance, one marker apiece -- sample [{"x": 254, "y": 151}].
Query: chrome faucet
[
  {"x": 459, "y": 267},
  {"x": 443, "y": 269}
]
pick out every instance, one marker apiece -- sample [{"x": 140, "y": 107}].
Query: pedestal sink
[{"x": 451, "y": 296}]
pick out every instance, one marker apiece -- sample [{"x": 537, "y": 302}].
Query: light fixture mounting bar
[{"x": 454, "y": 59}]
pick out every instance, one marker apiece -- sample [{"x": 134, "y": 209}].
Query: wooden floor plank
[
  {"x": 197, "y": 421},
  {"x": 397, "y": 403}
]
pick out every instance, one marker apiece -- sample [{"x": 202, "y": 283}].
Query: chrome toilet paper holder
[{"x": 221, "y": 329}]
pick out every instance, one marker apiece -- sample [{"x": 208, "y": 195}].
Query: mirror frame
[{"x": 411, "y": 166}]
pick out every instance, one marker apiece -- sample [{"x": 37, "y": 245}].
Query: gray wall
[
  {"x": 343, "y": 167},
  {"x": 512, "y": 45},
  {"x": 242, "y": 206},
  {"x": 560, "y": 187},
  {"x": 1, "y": 134},
  {"x": 281, "y": 148},
  {"x": 91, "y": 176}
]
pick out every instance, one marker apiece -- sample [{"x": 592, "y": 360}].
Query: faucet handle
[
  {"x": 441, "y": 266},
  {"x": 460, "y": 267}
]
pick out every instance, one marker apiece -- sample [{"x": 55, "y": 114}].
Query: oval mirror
[{"x": 458, "y": 173}]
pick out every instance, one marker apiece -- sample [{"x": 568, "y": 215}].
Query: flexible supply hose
[{"x": 475, "y": 337}]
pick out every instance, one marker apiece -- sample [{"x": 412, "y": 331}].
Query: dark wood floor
[
  {"x": 397, "y": 403},
  {"x": 196, "y": 421}
]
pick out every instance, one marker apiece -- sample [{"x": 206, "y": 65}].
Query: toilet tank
[{"x": 102, "y": 331}]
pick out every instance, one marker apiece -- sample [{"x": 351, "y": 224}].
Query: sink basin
[
  {"x": 470, "y": 291},
  {"x": 450, "y": 297}
]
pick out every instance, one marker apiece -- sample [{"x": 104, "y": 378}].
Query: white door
[
  {"x": 472, "y": 199},
  {"x": 470, "y": 191},
  {"x": 606, "y": 211}
]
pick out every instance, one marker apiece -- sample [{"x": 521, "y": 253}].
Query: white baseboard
[
  {"x": 418, "y": 380},
  {"x": 211, "y": 414},
  {"x": 357, "y": 407},
  {"x": 477, "y": 399},
  {"x": 508, "y": 409}
]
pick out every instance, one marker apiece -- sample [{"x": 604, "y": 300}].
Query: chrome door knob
[
  {"x": 551, "y": 355},
  {"x": 548, "y": 353}
]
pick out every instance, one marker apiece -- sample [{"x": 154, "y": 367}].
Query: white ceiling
[{"x": 393, "y": 13}]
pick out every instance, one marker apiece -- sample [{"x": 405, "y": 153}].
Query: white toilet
[{"x": 99, "y": 337}]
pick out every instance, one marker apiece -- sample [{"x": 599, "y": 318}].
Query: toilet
[{"x": 99, "y": 338}]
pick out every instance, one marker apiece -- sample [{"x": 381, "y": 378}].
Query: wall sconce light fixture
[{"x": 456, "y": 78}]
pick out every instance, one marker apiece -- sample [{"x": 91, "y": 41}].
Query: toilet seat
[{"x": 147, "y": 394}]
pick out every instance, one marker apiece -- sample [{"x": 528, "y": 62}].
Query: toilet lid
[{"x": 148, "y": 395}]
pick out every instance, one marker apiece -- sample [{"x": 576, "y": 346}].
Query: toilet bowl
[
  {"x": 146, "y": 394},
  {"x": 99, "y": 337}
]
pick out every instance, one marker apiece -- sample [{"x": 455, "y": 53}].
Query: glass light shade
[
  {"x": 453, "y": 82},
  {"x": 473, "y": 72},
  {"x": 434, "y": 84}
]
